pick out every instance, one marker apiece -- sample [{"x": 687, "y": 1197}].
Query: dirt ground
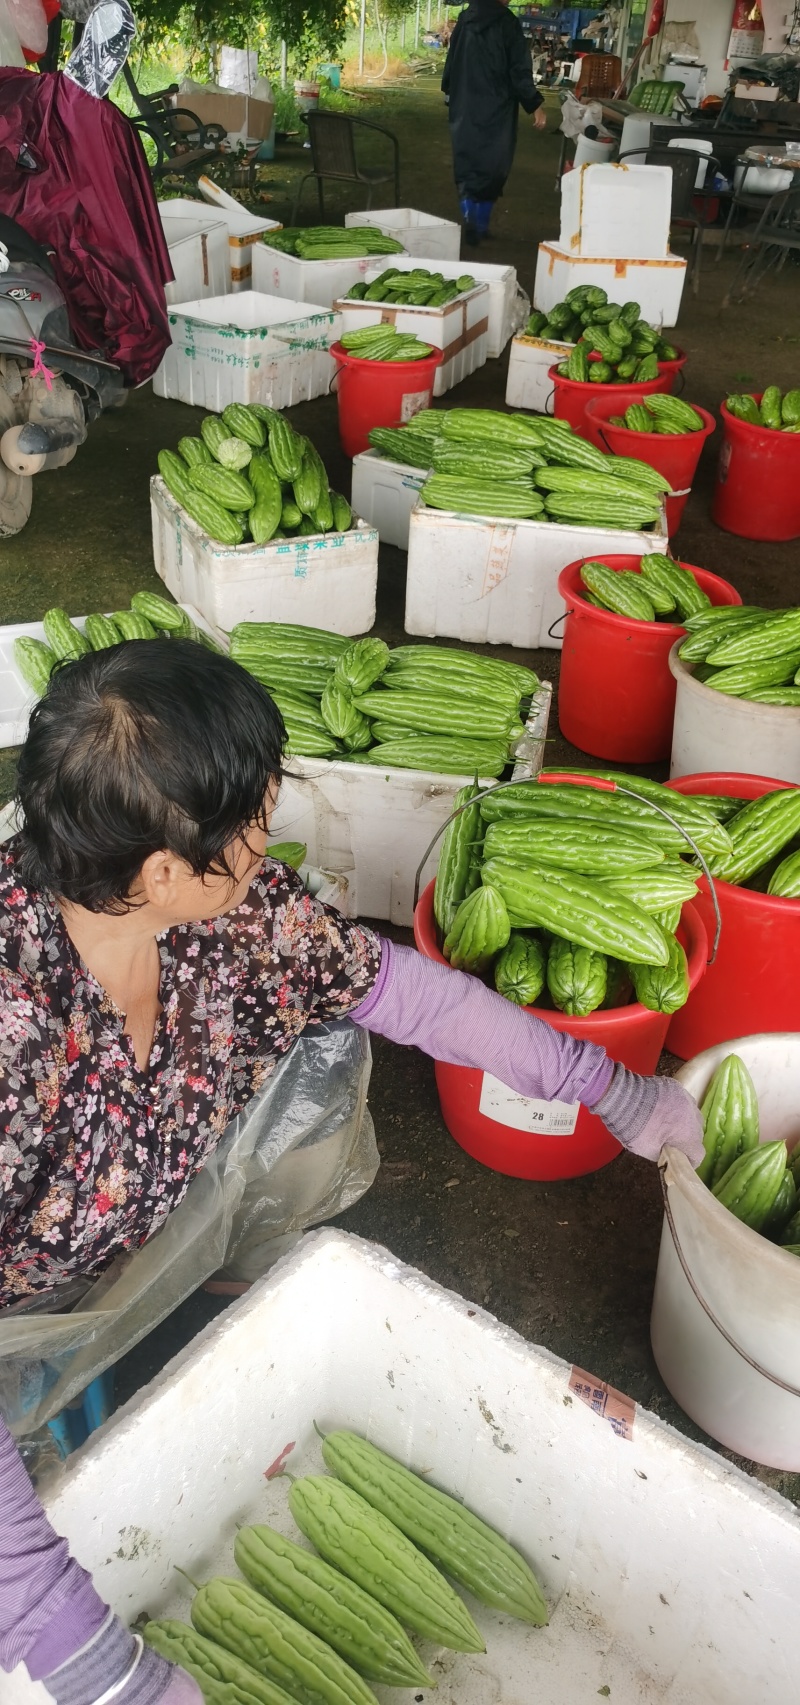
[{"x": 571, "y": 1266}]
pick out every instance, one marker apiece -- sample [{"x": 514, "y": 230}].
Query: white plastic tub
[
  {"x": 508, "y": 306},
  {"x": 385, "y": 493},
  {"x": 657, "y": 285},
  {"x": 714, "y": 732},
  {"x": 328, "y": 581},
  {"x": 736, "y": 1301},
  {"x": 249, "y": 348},
  {"x": 672, "y": 1578},
  {"x": 370, "y": 823},
  {"x": 307, "y": 280},
  {"x": 421, "y": 233},
  {"x": 529, "y": 385},
  {"x": 460, "y": 329},
  {"x": 16, "y": 698},
  {"x": 198, "y": 250},
  {"x": 496, "y": 582}
]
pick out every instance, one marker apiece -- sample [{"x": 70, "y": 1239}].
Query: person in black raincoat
[{"x": 487, "y": 78}]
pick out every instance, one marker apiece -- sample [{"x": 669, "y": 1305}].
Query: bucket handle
[
  {"x": 551, "y": 632},
  {"x": 751, "y": 1362},
  {"x": 580, "y": 780}
]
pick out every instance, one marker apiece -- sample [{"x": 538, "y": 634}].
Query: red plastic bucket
[
  {"x": 675, "y": 367},
  {"x": 753, "y": 987},
  {"x": 757, "y": 494},
  {"x": 675, "y": 455},
  {"x": 570, "y": 396},
  {"x": 616, "y": 694},
  {"x": 632, "y": 1035},
  {"x": 379, "y": 393}
]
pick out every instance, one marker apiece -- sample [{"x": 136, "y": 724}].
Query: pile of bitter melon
[
  {"x": 317, "y": 1627},
  {"x": 249, "y": 475},
  {"x": 627, "y": 347},
  {"x": 758, "y": 1182}
]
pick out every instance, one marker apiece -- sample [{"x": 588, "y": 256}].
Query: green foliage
[{"x": 314, "y": 28}]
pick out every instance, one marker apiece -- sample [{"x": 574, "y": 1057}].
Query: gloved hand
[
  {"x": 646, "y": 1113},
  {"x": 113, "y": 1657}
]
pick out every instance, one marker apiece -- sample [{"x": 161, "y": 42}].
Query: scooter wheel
[{"x": 16, "y": 497}]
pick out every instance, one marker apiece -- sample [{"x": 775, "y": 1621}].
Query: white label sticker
[
  {"x": 549, "y": 1118},
  {"x": 412, "y": 402}
]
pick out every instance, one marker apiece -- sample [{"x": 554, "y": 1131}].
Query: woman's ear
[{"x": 161, "y": 879}]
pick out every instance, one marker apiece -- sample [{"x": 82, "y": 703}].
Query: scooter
[{"x": 50, "y": 390}]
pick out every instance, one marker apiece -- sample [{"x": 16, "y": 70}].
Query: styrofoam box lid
[
  {"x": 400, "y": 218},
  {"x": 182, "y": 230},
  {"x": 199, "y": 212},
  {"x": 239, "y": 223},
  {"x": 252, "y": 311}
]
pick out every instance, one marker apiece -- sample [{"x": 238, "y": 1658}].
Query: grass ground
[{"x": 569, "y": 1265}]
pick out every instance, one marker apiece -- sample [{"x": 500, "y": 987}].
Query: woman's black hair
[{"x": 156, "y": 745}]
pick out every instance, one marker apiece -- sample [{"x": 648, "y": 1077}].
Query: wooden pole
[{"x": 362, "y": 37}]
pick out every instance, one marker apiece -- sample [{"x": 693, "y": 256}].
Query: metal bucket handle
[
  {"x": 602, "y": 786},
  {"x": 765, "y": 1373}
]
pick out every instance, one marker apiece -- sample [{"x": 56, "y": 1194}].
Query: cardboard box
[{"x": 239, "y": 115}]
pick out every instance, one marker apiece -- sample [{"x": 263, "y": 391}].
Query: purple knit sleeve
[
  {"x": 48, "y": 1605},
  {"x": 455, "y": 1018}
]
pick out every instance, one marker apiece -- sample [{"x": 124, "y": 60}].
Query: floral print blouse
[{"x": 94, "y": 1152}]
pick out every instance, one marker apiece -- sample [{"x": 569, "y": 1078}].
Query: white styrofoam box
[
  {"x": 385, "y": 493},
  {"x": 308, "y": 280},
  {"x": 198, "y": 250},
  {"x": 327, "y": 581},
  {"x": 249, "y": 348},
  {"x": 422, "y": 234},
  {"x": 376, "y": 824},
  {"x": 617, "y": 212},
  {"x": 460, "y": 329},
  {"x": 529, "y": 384},
  {"x": 509, "y": 307},
  {"x": 16, "y": 698},
  {"x": 657, "y": 285},
  {"x": 496, "y": 582},
  {"x": 672, "y": 1578},
  {"x": 245, "y": 231}
]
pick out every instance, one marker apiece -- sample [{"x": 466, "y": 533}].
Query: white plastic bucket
[
  {"x": 699, "y": 145},
  {"x": 593, "y": 150},
  {"x": 725, "y": 1327},
  {"x": 714, "y": 732},
  {"x": 306, "y": 96},
  {"x": 761, "y": 180}
]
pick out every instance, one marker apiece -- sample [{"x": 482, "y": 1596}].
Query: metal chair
[
  {"x": 777, "y": 235},
  {"x": 683, "y": 163},
  {"x": 751, "y": 199},
  {"x": 183, "y": 146},
  {"x": 333, "y": 153}
]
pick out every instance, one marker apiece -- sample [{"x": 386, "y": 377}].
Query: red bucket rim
[
  {"x": 773, "y": 903},
  {"x": 346, "y": 356},
  {"x": 605, "y": 384},
  {"x": 610, "y": 616},
  {"x": 709, "y": 424},
  {"x": 613, "y": 1017}
]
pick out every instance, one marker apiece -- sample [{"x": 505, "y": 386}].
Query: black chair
[
  {"x": 777, "y": 235},
  {"x": 683, "y": 163},
  {"x": 180, "y": 144},
  {"x": 333, "y": 153},
  {"x": 748, "y": 199}
]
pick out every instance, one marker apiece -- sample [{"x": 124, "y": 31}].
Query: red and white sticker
[{"x": 521, "y": 1113}]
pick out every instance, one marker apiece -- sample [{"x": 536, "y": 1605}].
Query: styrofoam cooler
[
  {"x": 324, "y": 281},
  {"x": 245, "y": 231},
  {"x": 713, "y": 731},
  {"x": 529, "y": 385},
  {"x": 616, "y": 211},
  {"x": 249, "y": 348},
  {"x": 460, "y": 329},
  {"x": 198, "y": 250},
  {"x": 423, "y": 234},
  {"x": 384, "y": 493},
  {"x": 509, "y": 308},
  {"x": 496, "y": 582},
  {"x": 669, "y": 1574},
  {"x": 726, "y": 1334},
  {"x": 372, "y": 823},
  {"x": 17, "y": 699},
  {"x": 657, "y": 285},
  {"x": 328, "y": 581}
]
